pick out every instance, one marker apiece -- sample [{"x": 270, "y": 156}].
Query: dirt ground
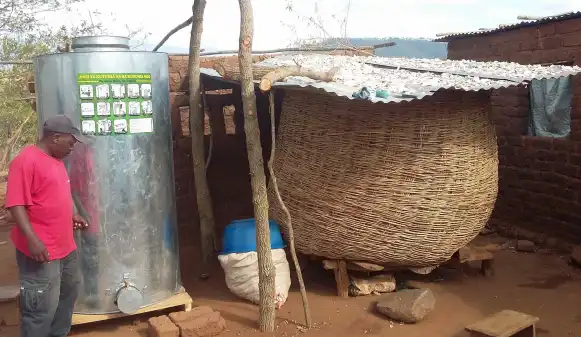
[{"x": 541, "y": 284}]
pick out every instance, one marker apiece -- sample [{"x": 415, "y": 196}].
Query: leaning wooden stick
[{"x": 289, "y": 225}]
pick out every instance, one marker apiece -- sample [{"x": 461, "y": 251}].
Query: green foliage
[
  {"x": 24, "y": 35},
  {"x": 17, "y": 119}
]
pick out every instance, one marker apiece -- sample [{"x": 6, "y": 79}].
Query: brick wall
[
  {"x": 547, "y": 43},
  {"x": 226, "y": 180},
  {"x": 228, "y": 173},
  {"x": 539, "y": 177}
]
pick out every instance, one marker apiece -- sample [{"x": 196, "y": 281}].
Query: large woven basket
[{"x": 404, "y": 184}]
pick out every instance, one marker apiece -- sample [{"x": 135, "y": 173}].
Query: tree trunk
[
  {"x": 173, "y": 31},
  {"x": 266, "y": 272},
  {"x": 280, "y": 74},
  {"x": 196, "y": 125},
  {"x": 230, "y": 72}
]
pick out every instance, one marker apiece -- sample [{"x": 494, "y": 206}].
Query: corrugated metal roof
[
  {"x": 407, "y": 79},
  {"x": 504, "y": 28}
]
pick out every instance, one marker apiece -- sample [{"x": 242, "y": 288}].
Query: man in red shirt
[{"x": 39, "y": 198}]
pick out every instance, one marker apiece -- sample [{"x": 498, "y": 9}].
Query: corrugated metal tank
[{"x": 122, "y": 180}]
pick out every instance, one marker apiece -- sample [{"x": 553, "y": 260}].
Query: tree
[
  {"x": 17, "y": 118},
  {"x": 24, "y": 35},
  {"x": 266, "y": 272},
  {"x": 22, "y": 16},
  {"x": 203, "y": 197},
  {"x": 329, "y": 30}
]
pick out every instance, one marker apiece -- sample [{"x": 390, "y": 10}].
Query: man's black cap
[{"x": 63, "y": 124}]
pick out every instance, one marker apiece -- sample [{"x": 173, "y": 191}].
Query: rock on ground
[
  {"x": 367, "y": 286},
  {"x": 408, "y": 306},
  {"x": 525, "y": 246}
]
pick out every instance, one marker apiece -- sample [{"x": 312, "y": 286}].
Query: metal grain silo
[{"x": 122, "y": 181}]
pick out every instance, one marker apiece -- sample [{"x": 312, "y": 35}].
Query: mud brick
[
  {"x": 162, "y": 326},
  {"x": 568, "y": 26},
  {"x": 551, "y": 42},
  {"x": 205, "y": 326},
  {"x": 525, "y": 246},
  {"x": 185, "y": 316}
]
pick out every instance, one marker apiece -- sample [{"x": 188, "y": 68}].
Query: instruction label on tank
[{"x": 115, "y": 104}]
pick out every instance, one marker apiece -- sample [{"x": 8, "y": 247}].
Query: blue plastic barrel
[{"x": 240, "y": 236}]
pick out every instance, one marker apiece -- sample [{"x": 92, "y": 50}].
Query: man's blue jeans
[{"x": 48, "y": 292}]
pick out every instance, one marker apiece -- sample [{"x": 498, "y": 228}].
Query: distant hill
[{"x": 418, "y": 48}]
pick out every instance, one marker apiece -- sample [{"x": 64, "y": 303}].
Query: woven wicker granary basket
[{"x": 404, "y": 184}]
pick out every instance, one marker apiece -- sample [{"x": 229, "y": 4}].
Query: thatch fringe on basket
[{"x": 399, "y": 184}]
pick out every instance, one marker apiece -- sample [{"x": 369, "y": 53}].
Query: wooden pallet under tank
[{"x": 181, "y": 299}]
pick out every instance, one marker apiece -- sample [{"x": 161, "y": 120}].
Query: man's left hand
[{"x": 79, "y": 222}]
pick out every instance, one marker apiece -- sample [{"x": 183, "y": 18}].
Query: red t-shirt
[{"x": 41, "y": 184}]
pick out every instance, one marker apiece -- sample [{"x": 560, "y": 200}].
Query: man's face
[{"x": 62, "y": 145}]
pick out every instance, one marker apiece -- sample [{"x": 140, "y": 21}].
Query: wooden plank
[
  {"x": 505, "y": 323},
  {"x": 180, "y": 299},
  {"x": 10, "y": 313},
  {"x": 467, "y": 254},
  {"x": 487, "y": 268},
  {"x": 9, "y": 293},
  {"x": 342, "y": 279},
  {"x": 364, "y": 266},
  {"x": 353, "y": 265}
]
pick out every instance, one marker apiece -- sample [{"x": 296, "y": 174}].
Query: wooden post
[
  {"x": 342, "y": 279},
  {"x": 266, "y": 272},
  {"x": 203, "y": 197},
  {"x": 289, "y": 225}
]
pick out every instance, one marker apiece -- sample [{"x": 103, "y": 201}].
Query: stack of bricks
[
  {"x": 539, "y": 177},
  {"x": 544, "y": 43},
  {"x": 199, "y": 322}
]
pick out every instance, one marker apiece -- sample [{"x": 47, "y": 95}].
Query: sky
[{"x": 277, "y": 26}]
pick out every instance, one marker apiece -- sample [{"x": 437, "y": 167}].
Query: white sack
[{"x": 241, "y": 270}]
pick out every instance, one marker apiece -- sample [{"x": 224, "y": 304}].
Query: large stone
[{"x": 407, "y": 306}]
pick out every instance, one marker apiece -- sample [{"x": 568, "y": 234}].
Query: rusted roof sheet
[
  {"x": 504, "y": 28},
  {"x": 406, "y": 79}
]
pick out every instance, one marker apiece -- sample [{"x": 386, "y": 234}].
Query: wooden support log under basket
[{"x": 466, "y": 254}]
